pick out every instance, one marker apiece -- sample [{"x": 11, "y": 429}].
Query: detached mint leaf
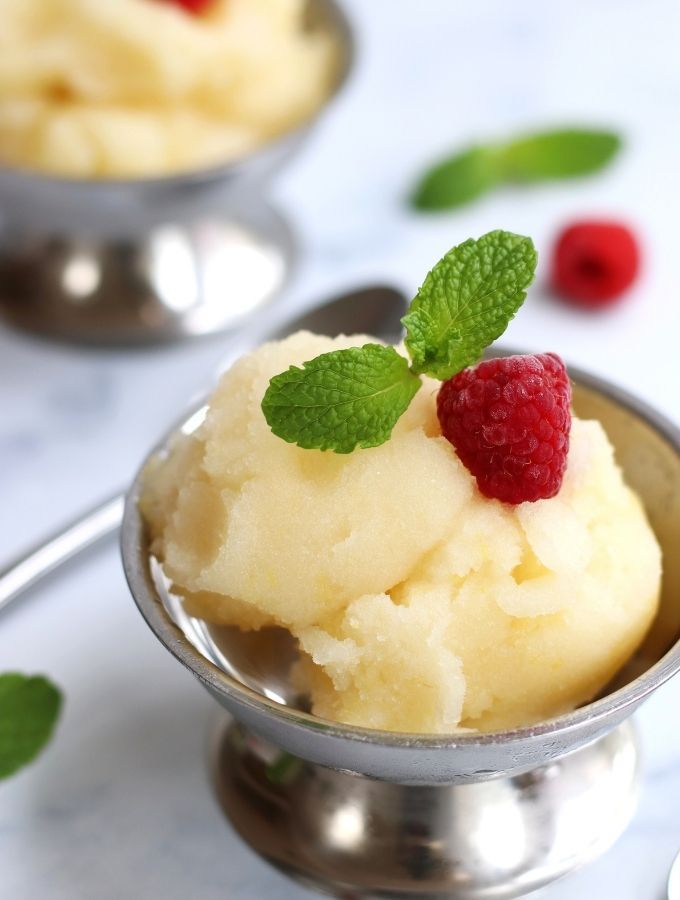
[
  {"x": 341, "y": 400},
  {"x": 467, "y": 301},
  {"x": 458, "y": 180},
  {"x": 29, "y": 708},
  {"x": 555, "y": 154},
  {"x": 564, "y": 153}
]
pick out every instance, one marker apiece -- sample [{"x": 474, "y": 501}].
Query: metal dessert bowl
[
  {"x": 366, "y": 813},
  {"x": 152, "y": 259}
]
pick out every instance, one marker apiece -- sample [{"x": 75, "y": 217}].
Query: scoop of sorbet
[{"x": 418, "y": 604}]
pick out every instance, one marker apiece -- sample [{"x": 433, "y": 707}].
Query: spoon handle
[{"x": 51, "y": 553}]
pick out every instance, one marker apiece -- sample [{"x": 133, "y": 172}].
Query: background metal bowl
[{"x": 151, "y": 259}]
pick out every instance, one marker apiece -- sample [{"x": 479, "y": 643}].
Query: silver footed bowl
[
  {"x": 152, "y": 259},
  {"x": 365, "y": 813}
]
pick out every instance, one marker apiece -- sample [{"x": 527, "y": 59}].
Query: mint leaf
[
  {"x": 341, "y": 400},
  {"x": 467, "y": 301},
  {"x": 29, "y": 707},
  {"x": 565, "y": 153},
  {"x": 467, "y": 175},
  {"x": 458, "y": 180},
  {"x": 354, "y": 397}
]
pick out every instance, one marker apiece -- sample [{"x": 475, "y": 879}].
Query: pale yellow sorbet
[
  {"x": 127, "y": 88},
  {"x": 420, "y": 605}
]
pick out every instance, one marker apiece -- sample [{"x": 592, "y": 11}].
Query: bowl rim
[
  {"x": 342, "y": 28},
  {"x": 135, "y": 564}
]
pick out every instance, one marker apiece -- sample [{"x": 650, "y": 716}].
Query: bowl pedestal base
[
  {"x": 185, "y": 273},
  {"x": 351, "y": 836}
]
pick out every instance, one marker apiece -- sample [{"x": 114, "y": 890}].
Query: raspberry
[
  {"x": 509, "y": 421},
  {"x": 193, "y": 6},
  {"x": 594, "y": 263}
]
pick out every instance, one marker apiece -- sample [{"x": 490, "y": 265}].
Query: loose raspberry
[
  {"x": 594, "y": 263},
  {"x": 509, "y": 421},
  {"x": 195, "y": 7}
]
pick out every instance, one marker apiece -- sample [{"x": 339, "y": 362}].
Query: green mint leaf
[
  {"x": 29, "y": 708},
  {"x": 565, "y": 153},
  {"x": 467, "y": 301},
  {"x": 458, "y": 180},
  {"x": 341, "y": 400},
  {"x": 560, "y": 153}
]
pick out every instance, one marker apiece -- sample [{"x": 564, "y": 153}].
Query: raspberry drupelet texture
[{"x": 509, "y": 420}]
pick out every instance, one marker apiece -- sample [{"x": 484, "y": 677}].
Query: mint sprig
[
  {"x": 467, "y": 301},
  {"x": 353, "y": 398},
  {"x": 29, "y": 708},
  {"x": 341, "y": 400},
  {"x": 543, "y": 156}
]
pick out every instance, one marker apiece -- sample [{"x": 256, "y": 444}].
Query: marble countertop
[{"x": 120, "y": 804}]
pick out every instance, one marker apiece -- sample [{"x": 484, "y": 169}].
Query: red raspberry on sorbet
[
  {"x": 192, "y": 6},
  {"x": 509, "y": 421}
]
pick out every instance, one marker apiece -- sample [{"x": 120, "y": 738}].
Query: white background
[{"x": 119, "y": 806}]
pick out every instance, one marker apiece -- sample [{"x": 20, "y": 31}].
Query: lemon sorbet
[
  {"x": 418, "y": 603},
  {"x": 132, "y": 88}
]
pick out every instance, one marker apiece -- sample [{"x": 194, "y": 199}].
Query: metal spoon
[
  {"x": 674, "y": 880},
  {"x": 373, "y": 310}
]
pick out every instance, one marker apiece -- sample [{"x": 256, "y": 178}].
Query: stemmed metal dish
[
  {"x": 151, "y": 259},
  {"x": 368, "y": 813}
]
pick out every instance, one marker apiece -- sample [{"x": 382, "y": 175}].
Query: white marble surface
[{"x": 119, "y": 806}]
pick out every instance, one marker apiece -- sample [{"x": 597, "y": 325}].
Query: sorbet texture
[
  {"x": 127, "y": 88},
  {"x": 418, "y": 604}
]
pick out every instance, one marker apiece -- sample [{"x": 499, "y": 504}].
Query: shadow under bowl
[
  {"x": 248, "y": 673},
  {"x": 141, "y": 260}
]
